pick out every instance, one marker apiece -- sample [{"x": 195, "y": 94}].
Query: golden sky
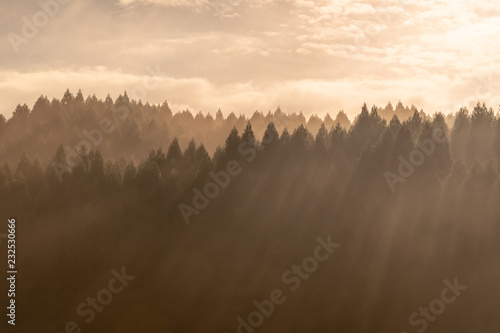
[{"x": 242, "y": 56}]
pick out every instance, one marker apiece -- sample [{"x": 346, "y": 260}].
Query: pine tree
[
  {"x": 129, "y": 175},
  {"x": 321, "y": 141},
  {"x": 174, "y": 153},
  {"x": 231, "y": 146},
  {"x": 248, "y": 135},
  {"x": 67, "y": 98}
]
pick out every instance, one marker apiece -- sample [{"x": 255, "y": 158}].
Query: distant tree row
[
  {"x": 360, "y": 154},
  {"x": 134, "y": 127}
]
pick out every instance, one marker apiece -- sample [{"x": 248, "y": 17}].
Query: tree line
[{"x": 294, "y": 186}]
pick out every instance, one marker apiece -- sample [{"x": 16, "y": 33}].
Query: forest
[{"x": 210, "y": 213}]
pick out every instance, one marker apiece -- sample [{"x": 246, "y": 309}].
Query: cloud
[
  {"x": 315, "y": 56},
  {"x": 199, "y": 94},
  {"x": 167, "y": 3}
]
